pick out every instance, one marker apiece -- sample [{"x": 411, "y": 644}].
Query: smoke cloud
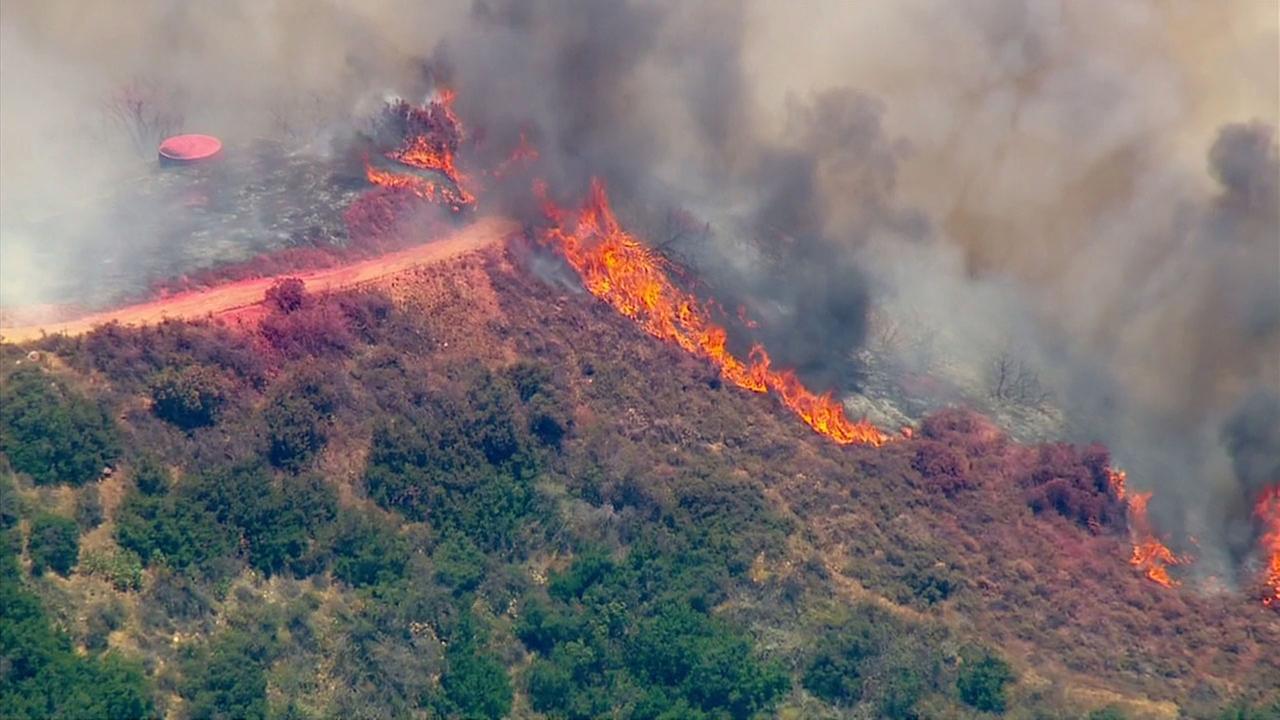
[{"x": 1093, "y": 183}]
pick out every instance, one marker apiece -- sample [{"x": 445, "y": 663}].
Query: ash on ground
[{"x": 166, "y": 222}]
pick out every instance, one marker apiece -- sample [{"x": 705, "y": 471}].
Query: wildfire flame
[
  {"x": 622, "y": 271},
  {"x": 1268, "y": 512},
  {"x": 424, "y": 152},
  {"x": 525, "y": 152},
  {"x": 1150, "y": 555}
]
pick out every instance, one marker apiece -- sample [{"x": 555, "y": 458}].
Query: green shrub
[
  {"x": 476, "y": 686},
  {"x": 983, "y": 680},
  {"x": 550, "y": 686},
  {"x": 834, "y": 674},
  {"x": 150, "y": 477},
  {"x": 461, "y": 464},
  {"x": 122, "y": 568},
  {"x": 298, "y": 413},
  {"x": 54, "y": 544},
  {"x": 171, "y": 529},
  {"x": 459, "y": 564},
  {"x": 10, "y": 503},
  {"x": 52, "y": 433},
  {"x": 547, "y": 421},
  {"x": 1240, "y": 710},
  {"x": 273, "y": 523},
  {"x": 189, "y": 397},
  {"x": 295, "y": 431},
  {"x": 1110, "y": 712},
  {"x": 367, "y": 553},
  {"x": 901, "y": 688},
  {"x": 530, "y": 378},
  {"x": 227, "y": 680}
]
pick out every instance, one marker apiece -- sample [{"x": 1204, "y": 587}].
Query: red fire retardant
[{"x": 189, "y": 148}]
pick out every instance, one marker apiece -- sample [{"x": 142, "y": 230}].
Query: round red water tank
[{"x": 189, "y": 148}]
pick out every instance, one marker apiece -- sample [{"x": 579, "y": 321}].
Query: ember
[{"x": 622, "y": 271}]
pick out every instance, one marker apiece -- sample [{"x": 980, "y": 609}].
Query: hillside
[{"x": 474, "y": 490}]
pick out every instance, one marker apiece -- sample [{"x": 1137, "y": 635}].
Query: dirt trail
[{"x": 234, "y": 296}]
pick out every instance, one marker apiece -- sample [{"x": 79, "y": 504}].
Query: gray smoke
[
  {"x": 1010, "y": 171},
  {"x": 1092, "y": 182},
  {"x": 1252, "y": 438}
]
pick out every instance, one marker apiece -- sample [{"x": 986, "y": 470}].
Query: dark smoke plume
[{"x": 1091, "y": 182}]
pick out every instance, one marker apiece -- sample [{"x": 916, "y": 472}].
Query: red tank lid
[{"x": 189, "y": 148}]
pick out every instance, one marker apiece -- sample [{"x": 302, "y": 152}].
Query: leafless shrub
[
  {"x": 1012, "y": 379},
  {"x": 146, "y": 111},
  {"x": 906, "y": 336}
]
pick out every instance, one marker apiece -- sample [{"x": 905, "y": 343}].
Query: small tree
[{"x": 55, "y": 543}]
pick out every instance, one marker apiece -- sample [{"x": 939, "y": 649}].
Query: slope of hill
[{"x": 472, "y": 490}]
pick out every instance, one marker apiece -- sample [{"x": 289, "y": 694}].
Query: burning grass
[
  {"x": 619, "y": 269},
  {"x": 426, "y": 155}
]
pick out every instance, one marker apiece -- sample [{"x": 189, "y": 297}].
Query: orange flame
[
  {"x": 1116, "y": 477},
  {"x": 1268, "y": 511},
  {"x": 1150, "y": 555},
  {"x": 425, "y": 153},
  {"x": 622, "y": 271}
]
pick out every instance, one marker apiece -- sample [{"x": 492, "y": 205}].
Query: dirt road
[{"x": 234, "y": 296}]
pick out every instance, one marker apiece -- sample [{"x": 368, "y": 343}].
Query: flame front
[
  {"x": 1151, "y": 556},
  {"x": 622, "y": 271},
  {"x": 1268, "y": 512}
]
